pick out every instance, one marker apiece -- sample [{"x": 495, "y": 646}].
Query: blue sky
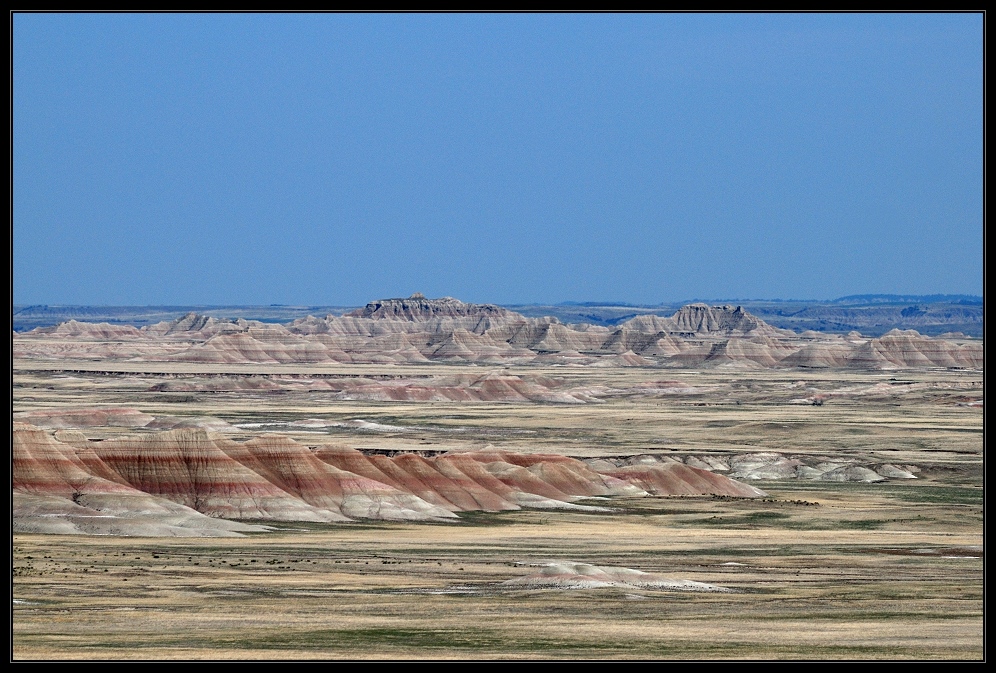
[{"x": 514, "y": 158}]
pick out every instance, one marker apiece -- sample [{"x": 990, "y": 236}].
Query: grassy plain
[{"x": 819, "y": 569}]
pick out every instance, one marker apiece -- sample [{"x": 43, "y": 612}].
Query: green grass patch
[
  {"x": 948, "y": 495},
  {"x": 912, "y": 493},
  {"x": 868, "y": 616}
]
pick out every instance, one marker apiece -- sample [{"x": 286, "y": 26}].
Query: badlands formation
[
  {"x": 428, "y": 478},
  {"x": 181, "y": 482},
  {"x": 184, "y": 475},
  {"x": 420, "y": 330}
]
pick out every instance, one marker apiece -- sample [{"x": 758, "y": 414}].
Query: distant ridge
[
  {"x": 871, "y": 314},
  {"x": 27, "y": 317},
  {"x": 597, "y": 303},
  {"x": 909, "y": 298},
  {"x": 416, "y": 330}
]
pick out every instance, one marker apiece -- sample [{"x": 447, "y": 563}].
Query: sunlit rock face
[{"x": 728, "y": 320}]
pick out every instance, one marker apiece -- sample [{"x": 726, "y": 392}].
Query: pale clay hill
[
  {"x": 419, "y": 330},
  {"x": 572, "y": 575}
]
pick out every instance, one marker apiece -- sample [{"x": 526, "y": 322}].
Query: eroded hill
[{"x": 188, "y": 482}]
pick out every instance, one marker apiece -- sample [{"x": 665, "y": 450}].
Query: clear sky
[{"x": 513, "y": 158}]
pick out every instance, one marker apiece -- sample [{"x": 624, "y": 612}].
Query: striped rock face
[{"x": 197, "y": 479}]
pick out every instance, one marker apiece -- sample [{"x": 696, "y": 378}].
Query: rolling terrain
[{"x": 428, "y": 478}]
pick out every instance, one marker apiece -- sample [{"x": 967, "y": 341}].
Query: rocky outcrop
[
  {"x": 417, "y": 308},
  {"x": 727, "y": 320}
]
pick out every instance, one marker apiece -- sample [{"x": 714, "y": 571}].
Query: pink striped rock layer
[{"x": 189, "y": 473}]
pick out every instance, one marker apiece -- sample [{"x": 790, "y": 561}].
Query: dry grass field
[{"x": 818, "y": 570}]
